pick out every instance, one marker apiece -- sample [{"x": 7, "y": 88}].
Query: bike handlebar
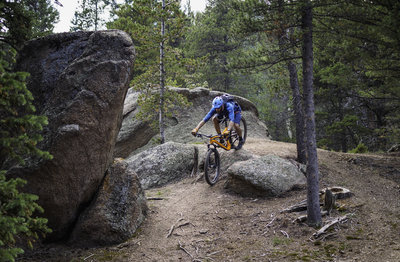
[
  {"x": 209, "y": 136},
  {"x": 201, "y": 135}
]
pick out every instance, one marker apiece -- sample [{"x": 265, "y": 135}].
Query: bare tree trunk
[
  {"x": 284, "y": 40},
  {"x": 162, "y": 77},
  {"x": 96, "y": 14},
  {"x": 299, "y": 115},
  {"x": 313, "y": 206}
]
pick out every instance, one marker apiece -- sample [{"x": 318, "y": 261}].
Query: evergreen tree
[
  {"x": 38, "y": 18},
  {"x": 18, "y": 139},
  {"x": 275, "y": 26},
  {"x": 19, "y": 127},
  {"x": 356, "y": 72},
  {"x": 209, "y": 39},
  {"x": 142, "y": 19},
  {"x": 88, "y": 15},
  {"x": 45, "y": 16}
]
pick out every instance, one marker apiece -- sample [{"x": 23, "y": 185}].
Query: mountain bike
[
  {"x": 234, "y": 136},
  {"x": 226, "y": 142}
]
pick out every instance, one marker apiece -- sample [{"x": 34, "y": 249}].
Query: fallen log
[
  {"x": 337, "y": 193},
  {"x": 324, "y": 229}
]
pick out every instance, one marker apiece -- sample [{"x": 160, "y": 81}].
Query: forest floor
[{"x": 192, "y": 221}]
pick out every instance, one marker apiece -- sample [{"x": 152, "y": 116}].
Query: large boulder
[
  {"x": 162, "y": 164},
  {"x": 136, "y": 136},
  {"x": 134, "y": 133},
  {"x": 227, "y": 158},
  {"x": 268, "y": 175},
  {"x": 79, "y": 81},
  {"x": 117, "y": 211}
]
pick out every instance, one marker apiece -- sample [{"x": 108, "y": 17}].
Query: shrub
[
  {"x": 361, "y": 148},
  {"x": 19, "y": 135}
]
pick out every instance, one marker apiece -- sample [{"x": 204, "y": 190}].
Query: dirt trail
[{"x": 195, "y": 222}]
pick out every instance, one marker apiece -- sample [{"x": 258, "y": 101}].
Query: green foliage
[
  {"x": 360, "y": 149},
  {"x": 141, "y": 19},
  {"x": 19, "y": 125},
  {"x": 19, "y": 136},
  {"x": 150, "y": 103},
  {"x": 89, "y": 15},
  {"x": 17, "y": 218},
  {"x": 209, "y": 39},
  {"x": 25, "y": 19},
  {"x": 44, "y": 16},
  {"x": 16, "y": 142},
  {"x": 18, "y": 139},
  {"x": 357, "y": 72}
]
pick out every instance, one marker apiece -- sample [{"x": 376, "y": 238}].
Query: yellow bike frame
[{"x": 214, "y": 140}]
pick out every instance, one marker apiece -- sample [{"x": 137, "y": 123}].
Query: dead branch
[
  {"x": 323, "y": 229},
  {"x": 337, "y": 192},
  {"x": 184, "y": 224},
  {"x": 301, "y": 206},
  {"x": 173, "y": 227},
  {"x": 171, "y": 230},
  {"x": 214, "y": 253},
  {"x": 270, "y": 223},
  {"x": 285, "y": 234},
  {"x": 88, "y": 257},
  {"x": 327, "y": 235},
  {"x": 184, "y": 250},
  {"x": 155, "y": 198}
]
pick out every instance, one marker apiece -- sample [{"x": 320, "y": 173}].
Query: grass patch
[
  {"x": 106, "y": 255},
  {"x": 353, "y": 237},
  {"x": 278, "y": 241}
]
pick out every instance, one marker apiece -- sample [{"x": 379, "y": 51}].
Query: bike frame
[{"x": 214, "y": 141}]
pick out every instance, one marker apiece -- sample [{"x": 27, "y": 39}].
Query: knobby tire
[{"x": 212, "y": 166}]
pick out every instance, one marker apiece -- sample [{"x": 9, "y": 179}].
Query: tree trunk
[
  {"x": 313, "y": 206},
  {"x": 284, "y": 40},
  {"x": 298, "y": 112},
  {"x": 96, "y": 16},
  {"x": 162, "y": 77}
]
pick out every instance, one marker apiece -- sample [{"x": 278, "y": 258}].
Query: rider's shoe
[{"x": 241, "y": 142}]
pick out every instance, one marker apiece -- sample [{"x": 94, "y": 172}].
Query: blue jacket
[{"x": 229, "y": 111}]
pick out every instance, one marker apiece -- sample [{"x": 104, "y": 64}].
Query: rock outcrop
[
  {"x": 136, "y": 134},
  {"x": 117, "y": 211},
  {"x": 79, "y": 81},
  {"x": 162, "y": 164},
  {"x": 268, "y": 175}
]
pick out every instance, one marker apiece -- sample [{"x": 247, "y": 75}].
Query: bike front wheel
[{"x": 212, "y": 166}]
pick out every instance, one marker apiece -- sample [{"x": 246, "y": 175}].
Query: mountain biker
[{"x": 223, "y": 108}]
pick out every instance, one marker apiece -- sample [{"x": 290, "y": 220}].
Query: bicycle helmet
[{"x": 217, "y": 102}]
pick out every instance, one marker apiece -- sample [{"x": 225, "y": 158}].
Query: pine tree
[
  {"x": 19, "y": 127},
  {"x": 273, "y": 27},
  {"x": 38, "y": 20},
  {"x": 142, "y": 19},
  {"x": 356, "y": 68},
  {"x": 209, "y": 40},
  {"x": 19, "y": 136},
  {"x": 88, "y": 15}
]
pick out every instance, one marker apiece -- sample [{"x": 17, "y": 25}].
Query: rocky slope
[{"x": 192, "y": 221}]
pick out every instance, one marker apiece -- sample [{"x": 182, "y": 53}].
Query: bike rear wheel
[
  {"x": 212, "y": 166},
  {"x": 234, "y": 138}
]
